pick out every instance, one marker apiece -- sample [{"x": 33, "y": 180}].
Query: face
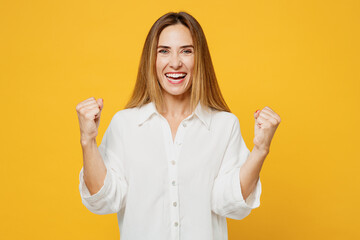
[{"x": 175, "y": 60}]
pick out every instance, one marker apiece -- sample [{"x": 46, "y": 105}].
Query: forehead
[{"x": 175, "y": 35}]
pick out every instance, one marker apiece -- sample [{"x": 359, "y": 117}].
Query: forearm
[
  {"x": 94, "y": 167},
  {"x": 250, "y": 171}
]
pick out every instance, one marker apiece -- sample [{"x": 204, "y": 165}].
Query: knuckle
[
  {"x": 82, "y": 111},
  {"x": 79, "y": 106}
]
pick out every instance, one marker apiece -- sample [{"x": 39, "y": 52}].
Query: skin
[
  {"x": 266, "y": 123},
  {"x": 89, "y": 112}
]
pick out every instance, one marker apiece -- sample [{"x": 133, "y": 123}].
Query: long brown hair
[{"x": 204, "y": 86}]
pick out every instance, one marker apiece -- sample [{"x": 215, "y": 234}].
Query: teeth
[{"x": 175, "y": 75}]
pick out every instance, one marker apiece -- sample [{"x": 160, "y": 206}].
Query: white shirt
[{"x": 172, "y": 190}]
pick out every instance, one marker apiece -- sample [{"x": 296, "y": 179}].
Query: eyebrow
[{"x": 185, "y": 46}]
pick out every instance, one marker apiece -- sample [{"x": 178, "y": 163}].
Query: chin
[
  {"x": 174, "y": 89},
  {"x": 177, "y": 93}
]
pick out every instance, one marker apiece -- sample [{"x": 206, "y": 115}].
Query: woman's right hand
[{"x": 89, "y": 112}]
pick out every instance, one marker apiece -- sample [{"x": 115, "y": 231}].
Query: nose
[{"x": 175, "y": 61}]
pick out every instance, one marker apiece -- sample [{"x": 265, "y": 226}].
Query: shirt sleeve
[
  {"x": 111, "y": 197},
  {"x": 227, "y": 199}
]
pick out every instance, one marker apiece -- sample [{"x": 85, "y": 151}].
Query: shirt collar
[{"x": 147, "y": 110}]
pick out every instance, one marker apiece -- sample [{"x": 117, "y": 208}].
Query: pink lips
[{"x": 176, "y": 82}]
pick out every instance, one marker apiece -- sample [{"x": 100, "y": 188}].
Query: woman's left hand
[{"x": 266, "y": 123}]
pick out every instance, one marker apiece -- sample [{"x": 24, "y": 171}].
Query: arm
[
  {"x": 250, "y": 170},
  {"x": 103, "y": 186},
  {"x": 266, "y": 123},
  {"x": 109, "y": 195},
  {"x": 89, "y": 112},
  {"x": 94, "y": 167},
  {"x": 227, "y": 198}
]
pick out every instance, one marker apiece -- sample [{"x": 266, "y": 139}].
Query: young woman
[{"x": 173, "y": 163}]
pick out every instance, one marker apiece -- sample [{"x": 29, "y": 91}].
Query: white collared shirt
[{"x": 172, "y": 190}]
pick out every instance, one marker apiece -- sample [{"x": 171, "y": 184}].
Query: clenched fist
[
  {"x": 266, "y": 123},
  {"x": 89, "y": 112}
]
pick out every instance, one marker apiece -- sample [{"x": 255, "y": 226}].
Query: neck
[{"x": 176, "y": 106}]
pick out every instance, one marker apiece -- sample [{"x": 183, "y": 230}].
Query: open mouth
[{"x": 175, "y": 77}]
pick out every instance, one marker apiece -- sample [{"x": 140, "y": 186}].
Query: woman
[{"x": 173, "y": 164}]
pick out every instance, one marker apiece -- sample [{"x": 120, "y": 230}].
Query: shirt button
[
  {"x": 184, "y": 124},
  {"x": 173, "y": 162},
  {"x": 176, "y": 224},
  {"x": 179, "y": 143},
  {"x": 173, "y": 183},
  {"x": 174, "y": 204}
]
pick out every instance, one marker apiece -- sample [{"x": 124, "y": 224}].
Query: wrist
[
  {"x": 261, "y": 150},
  {"x": 85, "y": 142}
]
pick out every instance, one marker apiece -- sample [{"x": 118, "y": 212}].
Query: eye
[
  {"x": 187, "y": 51},
  {"x": 163, "y": 51}
]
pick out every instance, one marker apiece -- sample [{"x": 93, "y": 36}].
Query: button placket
[
  {"x": 173, "y": 151},
  {"x": 173, "y": 154}
]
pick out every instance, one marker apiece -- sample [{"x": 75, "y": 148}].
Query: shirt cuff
[
  {"x": 253, "y": 200},
  {"x": 84, "y": 191}
]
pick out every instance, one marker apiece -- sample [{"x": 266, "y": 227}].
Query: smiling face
[{"x": 175, "y": 60}]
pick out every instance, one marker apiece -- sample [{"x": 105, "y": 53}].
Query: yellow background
[{"x": 300, "y": 58}]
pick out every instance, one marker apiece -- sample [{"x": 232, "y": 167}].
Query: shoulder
[
  {"x": 223, "y": 123},
  {"x": 224, "y": 117},
  {"x": 227, "y": 124},
  {"x": 124, "y": 116},
  {"x": 226, "y": 121}
]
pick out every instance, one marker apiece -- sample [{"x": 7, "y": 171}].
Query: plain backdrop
[{"x": 300, "y": 58}]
